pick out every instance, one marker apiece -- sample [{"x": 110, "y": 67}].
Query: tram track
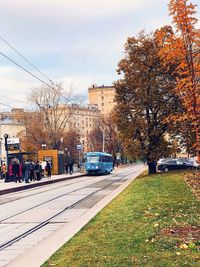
[
  {"x": 48, "y": 220},
  {"x": 52, "y": 199}
]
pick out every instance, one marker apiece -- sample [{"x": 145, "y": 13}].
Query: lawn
[{"x": 154, "y": 222}]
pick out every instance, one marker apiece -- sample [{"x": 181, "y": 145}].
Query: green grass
[{"x": 129, "y": 231}]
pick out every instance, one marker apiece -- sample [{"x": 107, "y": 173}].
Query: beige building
[
  {"x": 102, "y": 97},
  {"x": 81, "y": 119},
  {"x": 12, "y": 129},
  {"x": 84, "y": 120}
]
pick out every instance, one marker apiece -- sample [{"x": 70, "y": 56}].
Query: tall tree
[
  {"x": 105, "y": 136},
  {"x": 70, "y": 141},
  {"x": 183, "y": 46},
  {"x": 144, "y": 98},
  {"x": 54, "y": 106}
]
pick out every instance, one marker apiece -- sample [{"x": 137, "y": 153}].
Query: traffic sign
[{"x": 79, "y": 147}]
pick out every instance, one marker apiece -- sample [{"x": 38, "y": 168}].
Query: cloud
[{"x": 79, "y": 42}]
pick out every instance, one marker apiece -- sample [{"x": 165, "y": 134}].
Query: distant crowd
[
  {"x": 27, "y": 172},
  {"x": 31, "y": 170}
]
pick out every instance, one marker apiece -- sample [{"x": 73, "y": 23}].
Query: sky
[{"x": 77, "y": 43}]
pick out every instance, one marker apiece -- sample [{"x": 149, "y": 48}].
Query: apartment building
[
  {"x": 84, "y": 120},
  {"x": 12, "y": 129},
  {"x": 103, "y": 98}
]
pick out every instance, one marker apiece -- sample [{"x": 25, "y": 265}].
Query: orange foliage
[{"x": 182, "y": 48}]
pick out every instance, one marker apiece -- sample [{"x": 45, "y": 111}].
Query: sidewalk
[{"x": 10, "y": 187}]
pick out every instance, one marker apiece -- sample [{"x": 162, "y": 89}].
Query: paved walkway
[
  {"x": 9, "y": 187},
  {"x": 38, "y": 254}
]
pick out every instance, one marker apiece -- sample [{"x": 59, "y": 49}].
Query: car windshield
[
  {"x": 171, "y": 162},
  {"x": 92, "y": 158}
]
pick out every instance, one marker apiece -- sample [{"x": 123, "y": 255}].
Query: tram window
[{"x": 93, "y": 159}]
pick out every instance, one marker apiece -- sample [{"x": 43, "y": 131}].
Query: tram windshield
[{"x": 93, "y": 159}]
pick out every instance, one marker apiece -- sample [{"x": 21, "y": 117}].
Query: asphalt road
[{"x": 36, "y": 222}]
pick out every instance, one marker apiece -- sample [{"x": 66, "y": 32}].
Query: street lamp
[
  {"x": 44, "y": 146},
  {"x": 6, "y": 148},
  {"x": 103, "y": 141},
  {"x": 1, "y": 150}
]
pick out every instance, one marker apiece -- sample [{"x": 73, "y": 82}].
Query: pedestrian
[
  {"x": 37, "y": 171},
  {"x": 48, "y": 169},
  {"x": 69, "y": 164},
  {"x": 26, "y": 171},
  {"x": 15, "y": 171},
  {"x": 3, "y": 171},
  {"x": 66, "y": 168},
  {"x": 31, "y": 171},
  {"x": 43, "y": 166}
]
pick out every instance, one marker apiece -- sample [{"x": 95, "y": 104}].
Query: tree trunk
[{"x": 152, "y": 167}]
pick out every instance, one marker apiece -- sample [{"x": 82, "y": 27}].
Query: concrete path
[
  {"x": 84, "y": 197},
  {"x": 10, "y": 187}
]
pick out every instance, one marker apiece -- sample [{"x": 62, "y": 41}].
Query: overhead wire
[
  {"x": 26, "y": 102},
  {"x": 25, "y": 69},
  {"x": 6, "y": 105},
  {"x": 29, "y": 72},
  {"x": 20, "y": 54}
]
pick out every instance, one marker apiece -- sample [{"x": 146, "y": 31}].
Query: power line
[
  {"x": 25, "y": 70},
  {"x": 6, "y": 105},
  {"x": 15, "y": 99},
  {"x": 6, "y": 42},
  {"x": 29, "y": 72}
]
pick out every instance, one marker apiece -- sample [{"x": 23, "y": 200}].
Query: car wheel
[{"x": 166, "y": 169}]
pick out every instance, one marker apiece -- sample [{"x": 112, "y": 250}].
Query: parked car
[
  {"x": 162, "y": 160},
  {"x": 195, "y": 163},
  {"x": 175, "y": 164}
]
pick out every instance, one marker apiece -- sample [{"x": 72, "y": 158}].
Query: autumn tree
[
  {"x": 182, "y": 46},
  {"x": 34, "y": 135},
  {"x": 105, "y": 136},
  {"x": 54, "y": 108},
  {"x": 69, "y": 143},
  {"x": 144, "y": 98}
]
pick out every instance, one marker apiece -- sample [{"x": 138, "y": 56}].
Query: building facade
[
  {"x": 84, "y": 120},
  {"x": 103, "y": 98},
  {"x": 12, "y": 129},
  {"x": 81, "y": 119}
]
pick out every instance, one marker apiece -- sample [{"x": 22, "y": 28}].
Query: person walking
[
  {"x": 31, "y": 171},
  {"x": 3, "y": 171},
  {"x": 37, "y": 171},
  {"x": 48, "y": 169},
  {"x": 26, "y": 171},
  {"x": 71, "y": 163},
  {"x": 15, "y": 171}
]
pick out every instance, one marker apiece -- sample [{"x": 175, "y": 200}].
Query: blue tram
[{"x": 98, "y": 163}]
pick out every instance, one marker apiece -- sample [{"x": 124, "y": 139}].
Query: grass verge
[{"x": 154, "y": 222}]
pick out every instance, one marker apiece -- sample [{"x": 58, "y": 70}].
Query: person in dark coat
[
  {"x": 31, "y": 171},
  {"x": 15, "y": 171},
  {"x": 48, "y": 169},
  {"x": 69, "y": 164},
  {"x": 26, "y": 171},
  {"x": 37, "y": 170}
]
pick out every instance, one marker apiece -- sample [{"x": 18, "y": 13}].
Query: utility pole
[
  {"x": 6, "y": 148},
  {"x": 103, "y": 141}
]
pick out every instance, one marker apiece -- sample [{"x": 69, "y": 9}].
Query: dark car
[{"x": 175, "y": 164}]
